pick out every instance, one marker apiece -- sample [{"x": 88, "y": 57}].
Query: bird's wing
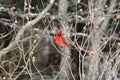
[{"x": 65, "y": 42}]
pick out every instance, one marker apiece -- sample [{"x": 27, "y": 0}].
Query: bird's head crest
[{"x": 59, "y": 32}]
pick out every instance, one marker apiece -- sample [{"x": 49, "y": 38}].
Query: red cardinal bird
[{"x": 61, "y": 40}]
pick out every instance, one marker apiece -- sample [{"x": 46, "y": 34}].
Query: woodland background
[{"x": 28, "y": 50}]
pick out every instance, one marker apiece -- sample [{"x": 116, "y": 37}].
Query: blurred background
[{"x": 28, "y": 50}]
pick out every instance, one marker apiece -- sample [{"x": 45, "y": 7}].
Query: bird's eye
[{"x": 59, "y": 35}]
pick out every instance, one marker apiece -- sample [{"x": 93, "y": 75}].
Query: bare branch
[{"x": 24, "y": 28}]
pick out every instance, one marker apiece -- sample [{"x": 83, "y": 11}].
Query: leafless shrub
[{"x": 28, "y": 50}]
